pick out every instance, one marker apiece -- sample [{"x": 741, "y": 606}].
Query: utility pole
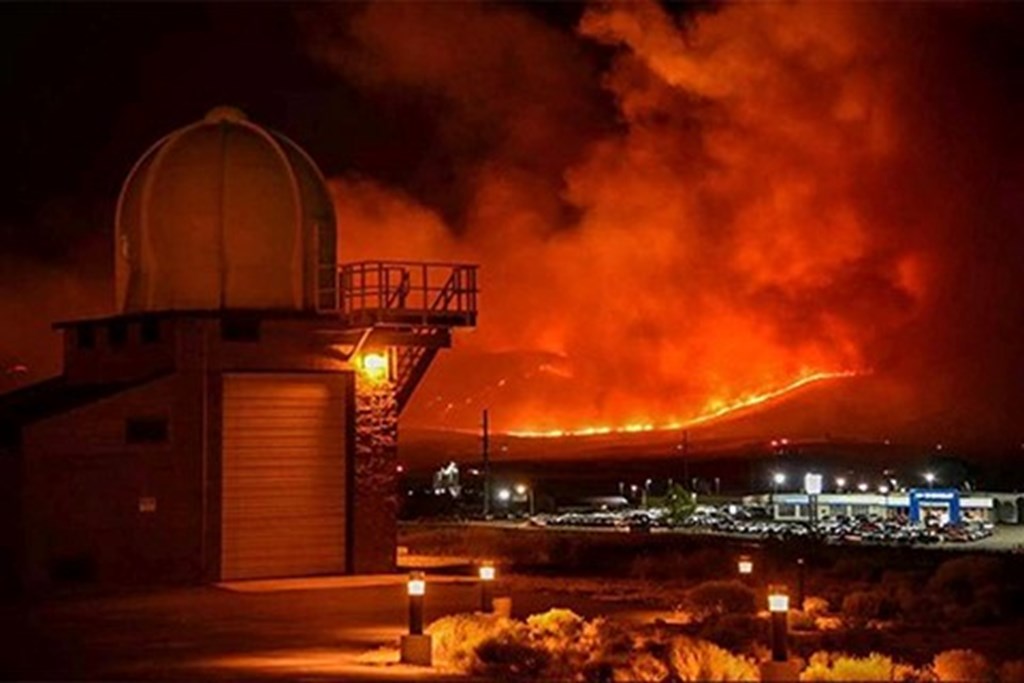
[
  {"x": 686, "y": 456},
  {"x": 485, "y": 444}
]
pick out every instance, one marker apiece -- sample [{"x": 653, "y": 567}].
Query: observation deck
[{"x": 401, "y": 293}]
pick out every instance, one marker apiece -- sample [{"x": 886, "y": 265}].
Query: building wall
[
  {"x": 137, "y": 357},
  {"x": 88, "y": 494},
  {"x": 100, "y": 508}
]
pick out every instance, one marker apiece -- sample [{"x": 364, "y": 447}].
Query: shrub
[
  {"x": 814, "y": 605},
  {"x": 559, "y": 645},
  {"x": 698, "y": 660},
  {"x": 961, "y": 578},
  {"x": 867, "y": 605},
  {"x": 736, "y": 632},
  {"x": 826, "y": 666},
  {"x": 505, "y": 657},
  {"x": 457, "y": 637},
  {"x": 720, "y": 597},
  {"x": 961, "y": 665}
]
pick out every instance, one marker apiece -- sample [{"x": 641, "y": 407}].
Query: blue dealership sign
[{"x": 948, "y": 497}]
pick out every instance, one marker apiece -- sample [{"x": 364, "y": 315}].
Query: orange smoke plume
[{"x": 703, "y": 212}]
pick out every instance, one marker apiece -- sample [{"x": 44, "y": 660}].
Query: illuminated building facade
[{"x": 237, "y": 417}]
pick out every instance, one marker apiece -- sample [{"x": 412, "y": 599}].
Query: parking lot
[{"x": 743, "y": 522}]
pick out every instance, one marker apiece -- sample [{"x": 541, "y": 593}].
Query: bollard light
[
  {"x": 417, "y": 588},
  {"x": 487, "y": 574},
  {"x": 778, "y": 605},
  {"x": 745, "y": 565},
  {"x": 778, "y": 602}
]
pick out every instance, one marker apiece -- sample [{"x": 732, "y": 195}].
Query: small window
[
  {"x": 117, "y": 334},
  {"x": 85, "y": 336},
  {"x": 240, "y": 329},
  {"x": 145, "y": 430},
  {"x": 150, "y": 331}
]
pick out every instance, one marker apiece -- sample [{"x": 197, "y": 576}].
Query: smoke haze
[{"x": 673, "y": 212}]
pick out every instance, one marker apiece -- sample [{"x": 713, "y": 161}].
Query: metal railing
[{"x": 405, "y": 292}]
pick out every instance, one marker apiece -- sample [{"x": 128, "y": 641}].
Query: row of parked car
[{"x": 755, "y": 523}]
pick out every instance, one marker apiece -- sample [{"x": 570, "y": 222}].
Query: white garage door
[{"x": 283, "y": 475}]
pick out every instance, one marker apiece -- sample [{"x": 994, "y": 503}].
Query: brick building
[{"x": 237, "y": 417}]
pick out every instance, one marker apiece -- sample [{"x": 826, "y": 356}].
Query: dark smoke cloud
[{"x": 754, "y": 193}]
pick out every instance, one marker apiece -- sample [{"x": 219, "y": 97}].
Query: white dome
[{"x": 225, "y": 214}]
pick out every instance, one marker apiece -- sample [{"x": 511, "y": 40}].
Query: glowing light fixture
[
  {"x": 779, "y": 478},
  {"x": 504, "y": 495},
  {"x": 841, "y": 482},
  {"x": 374, "y": 365},
  {"x": 521, "y": 489},
  {"x": 862, "y": 487},
  {"x": 778, "y": 605},
  {"x": 778, "y": 600},
  {"x": 487, "y": 572},
  {"x": 417, "y": 585},
  {"x": 745, "y": 565}
]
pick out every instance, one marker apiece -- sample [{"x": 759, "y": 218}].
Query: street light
[
  {"x": 840, "y": 483},
  {"x": 862, "y": 487},
  {"x": 504, "y": 495},
  {"x": 487, "y": 574},
  {"x": 930, "y": 478},
  {"x": 524, "y": 490},
  {"x": 778, "y": 605}
]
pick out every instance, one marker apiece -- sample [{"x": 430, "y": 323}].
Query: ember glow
[{"x": 716, "y": 409}]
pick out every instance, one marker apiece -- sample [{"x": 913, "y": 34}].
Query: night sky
[{"x": 883, "y": 139}]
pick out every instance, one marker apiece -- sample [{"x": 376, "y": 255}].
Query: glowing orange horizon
[{"x": 717, "y": 409}]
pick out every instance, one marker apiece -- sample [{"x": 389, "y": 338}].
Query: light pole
[
  {"x": 415, "y": 646},
  {"x": 417, "y": 587},
  {"x": 800, "y": 583},
  {"x": 487, "y": 574},
  {"x": 527, "y": 491},
  {"x": 778, "y": 605},
  {"x": 745, "y": 566}
]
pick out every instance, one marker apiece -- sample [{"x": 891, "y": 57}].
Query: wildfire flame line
[{"x": 711, "y": 414}]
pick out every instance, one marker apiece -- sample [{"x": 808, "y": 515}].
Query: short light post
[
  {"x": 778, "y": 605},
  {"x": 417, "y": 587},
  {"x": 415, "y": 646},
  {"x": 487, "y": 574}
]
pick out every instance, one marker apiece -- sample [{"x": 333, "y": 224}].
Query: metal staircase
[{"x": 408, "y": 306}]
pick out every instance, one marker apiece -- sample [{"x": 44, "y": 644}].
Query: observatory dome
[{"x": 224, "y": 214}]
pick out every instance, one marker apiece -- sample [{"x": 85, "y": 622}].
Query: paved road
[{"x": 211, "y": 633}]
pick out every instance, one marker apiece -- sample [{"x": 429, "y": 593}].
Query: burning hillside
[{"x": 676, "y": 215}]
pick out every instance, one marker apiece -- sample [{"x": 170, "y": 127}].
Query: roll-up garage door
[{"x": 283, "y": 475}]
